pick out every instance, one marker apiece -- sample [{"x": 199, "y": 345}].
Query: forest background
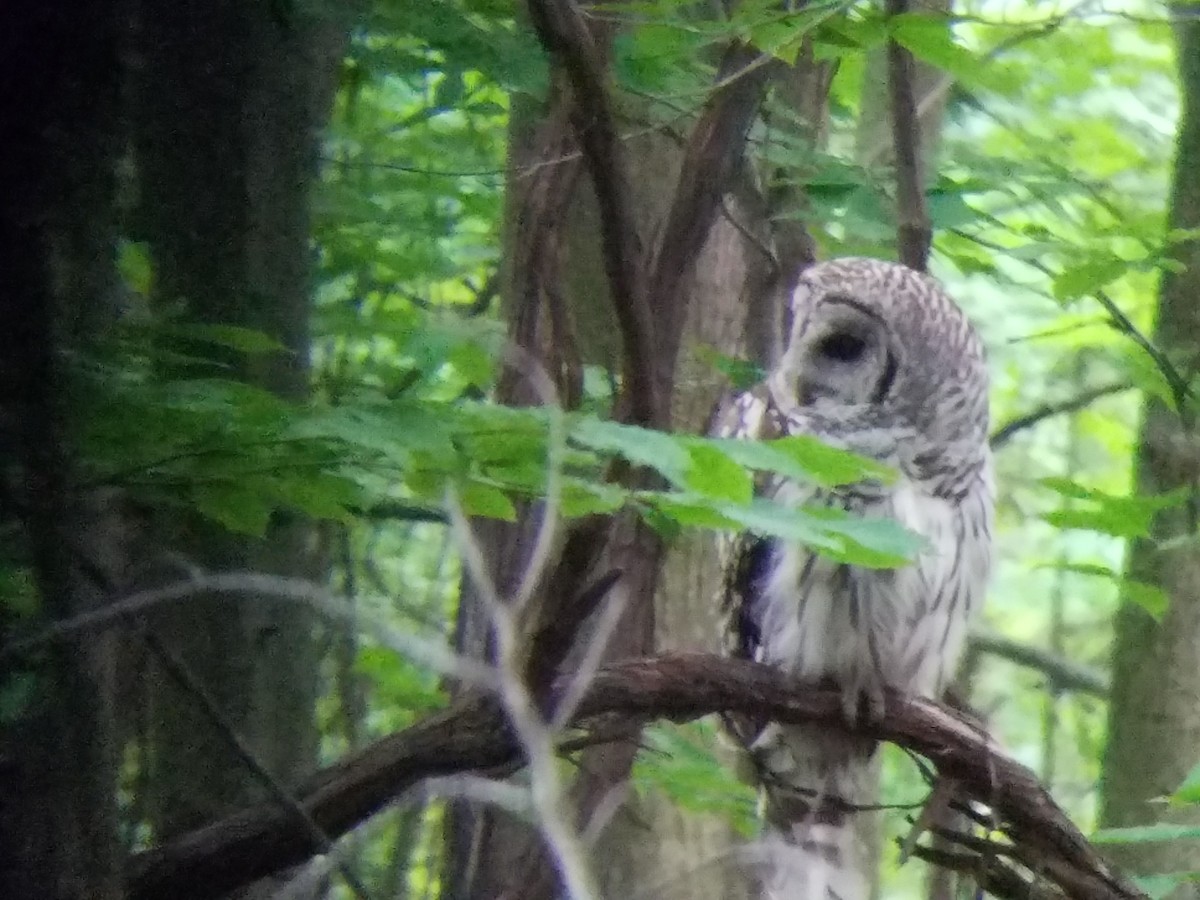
[{"x": 350, "y": 346}]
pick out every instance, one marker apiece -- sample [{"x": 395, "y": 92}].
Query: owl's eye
[{"x": 841, "y": 346}]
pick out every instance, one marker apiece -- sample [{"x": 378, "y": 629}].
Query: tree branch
[
  {"x": 913, "y": 231},
  {"x": 473, "y": 736},
  {"x": 1011, "y": 428},
  {"x": 1062, "y": 673},
  {"x": 564, "y": 33},
  {"x": 711, "y": 158}
]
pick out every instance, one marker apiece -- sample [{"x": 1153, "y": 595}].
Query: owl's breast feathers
[{"x": 817, "y": 618}]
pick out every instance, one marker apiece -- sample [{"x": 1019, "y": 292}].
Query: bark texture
[
  {"x": 59, "y": 61},
  {"x": 228, "y": 100},
  {"x": 1154, "y": 715}
]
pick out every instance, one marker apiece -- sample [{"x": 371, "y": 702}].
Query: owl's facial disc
[{"x": 845, "y": 357}]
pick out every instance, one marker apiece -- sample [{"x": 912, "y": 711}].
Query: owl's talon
[{"x": 863, "y": 704}]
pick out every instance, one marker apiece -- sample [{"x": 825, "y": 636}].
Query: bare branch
[
  {"x": 993, "y": 874},
  {"x": 473, "y": 735},
  {"x": 913, "y": 231},
  {"x": 1011, "y": 428},
  {"x": 1062, "y": 674}
]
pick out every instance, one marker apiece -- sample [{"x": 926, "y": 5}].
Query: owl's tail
[
  {"x": 815, "y": 787},
  {"x": 814, "y": 862}
]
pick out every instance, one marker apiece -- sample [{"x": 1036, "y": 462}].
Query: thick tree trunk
[
  {"x": 667, "y": 852},
  {"x": 58, "y": 821},
  {"x": 228, "y": 102},
  {"x": 1154, "y": 717}
]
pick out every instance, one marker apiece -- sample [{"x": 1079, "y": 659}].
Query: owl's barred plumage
[{"x": 880, "y": 361}]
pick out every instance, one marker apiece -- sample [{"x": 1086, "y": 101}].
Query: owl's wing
[{"x": 746, "y": 558}]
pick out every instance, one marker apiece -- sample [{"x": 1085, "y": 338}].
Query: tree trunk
[
  {"x": 58, "y": 818},
  {"x": 228, "y": 102},
  {"x": 560, "y": 309},
  {"x": 1154, "y": 716}
]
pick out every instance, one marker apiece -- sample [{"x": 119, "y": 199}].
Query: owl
[{"x": 881, "y": 362}]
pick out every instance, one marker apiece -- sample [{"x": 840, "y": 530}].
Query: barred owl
[{"x": 880, "y": 361}]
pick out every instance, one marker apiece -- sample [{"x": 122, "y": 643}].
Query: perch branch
[{"x": 473, "y": 736}]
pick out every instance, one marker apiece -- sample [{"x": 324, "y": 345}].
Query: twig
[
  {"x": 432, "y": 654},
  {"x": 1180, "y": 391},
  {"x": 1012, "y": 427},
  {"x": 994, "y": 875},
  {"x": 484, "y": 295},
  {"x": 913, "y": 231},
  {"x": 536, "y": 738},
  {"x": 546, "y": 793},
  {"x": 474, "y": 735}
]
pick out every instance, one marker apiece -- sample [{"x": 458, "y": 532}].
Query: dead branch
[
  {"x": 913, "y": 230},
  {"x": 473, "y": 736}
]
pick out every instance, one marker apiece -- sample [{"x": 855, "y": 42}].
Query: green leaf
[
  {"x": 931, "y": 40},
  {"x": 668, "y": 455},
  {"x": 135, "y": 267},
  {"x": 240, "y": 509},
  {"x": 1106, "y": 513},
  {"x": 769, "y": 456},
  {"x": 714, "y": 474},
  {"x": 1188, "y": 792},
  {"x": 397, "y": 682},
  {"x": 479, "y": 499},
  {"x": 1149, "y": 597},
  {"x": 679, "y": 762},
  {"x": 321, "y": 495},
  {"x": 245, "y": 340},
  {"x": 742, "y": 373},
  {"x": 830, "y": 466},
  {"x": 687, "y": 510},
  {"x": 583, "y": 498},
  {"x": 874, "y": 543},
  {"x": 1083, "y": 279},
  {"x": 1146, "y": 374}
]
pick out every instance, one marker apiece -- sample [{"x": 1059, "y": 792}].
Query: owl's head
[{"x": 872, "y": 334}]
